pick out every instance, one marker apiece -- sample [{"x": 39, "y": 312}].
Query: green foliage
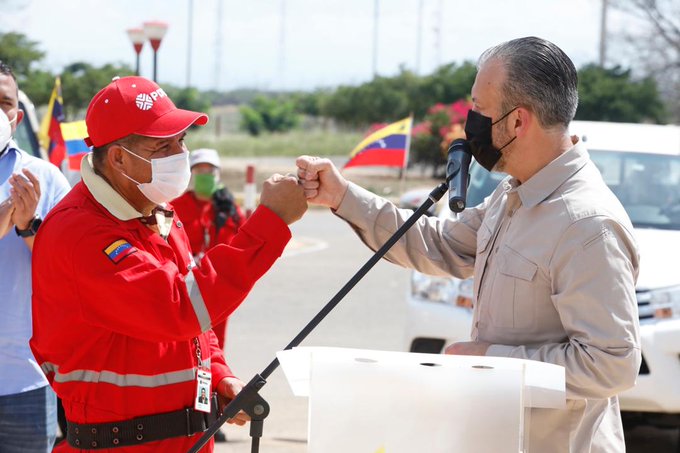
[
  {"x": 392, "y": 98},
  {"x": 267, "y": 114},
  {"x": 382, "y": 99},
  {"x": 189, "y": 98},
  {"x": 446, "y": 85},
  {"x": 612, "y": 95},
  {"x": 251, "y": 120},
  {"x": 38, "y": 86},
  {"x": 20, "y": 53},
  {"x": 430, "y": 139},
  {"x": 309, "y": 103},
  {"x": 80, "y": 81}
]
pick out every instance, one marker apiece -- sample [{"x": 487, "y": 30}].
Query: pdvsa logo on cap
[{"x": 145, "y": 101}]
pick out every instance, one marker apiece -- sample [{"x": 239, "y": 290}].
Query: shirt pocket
[{"x": 513, "y": 300}]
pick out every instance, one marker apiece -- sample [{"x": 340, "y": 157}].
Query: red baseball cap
[{"x": 135, "y": 105}]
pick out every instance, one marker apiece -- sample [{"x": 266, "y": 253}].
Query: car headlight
[
  {"x": 448, "y": 290},
  {"x": 665, "y": 302}
]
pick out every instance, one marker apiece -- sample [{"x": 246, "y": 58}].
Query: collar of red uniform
[{"x": 109, "y": 198}]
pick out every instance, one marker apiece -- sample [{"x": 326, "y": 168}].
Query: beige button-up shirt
[{"x": 555, "y": 265}]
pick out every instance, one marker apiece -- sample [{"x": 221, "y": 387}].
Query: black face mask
[{"x": 478, "y": 132}]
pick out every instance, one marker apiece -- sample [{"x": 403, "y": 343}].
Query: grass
[{"x": 291, "y": 144}]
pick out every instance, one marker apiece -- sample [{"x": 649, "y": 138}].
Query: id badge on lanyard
[{"x": 203, "y": 383}]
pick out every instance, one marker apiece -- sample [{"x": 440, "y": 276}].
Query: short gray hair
[{"x": 539, "y": 76}]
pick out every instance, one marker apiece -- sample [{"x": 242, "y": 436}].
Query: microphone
[{"x": 457, "y": 173}]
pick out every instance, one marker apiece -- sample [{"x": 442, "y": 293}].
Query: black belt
[{"x": 150, "y": 428}]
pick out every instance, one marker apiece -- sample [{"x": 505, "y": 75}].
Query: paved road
[{"x": 323, "y": 256}]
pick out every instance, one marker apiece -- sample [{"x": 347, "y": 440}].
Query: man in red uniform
[{"x": 122, "y": 313}]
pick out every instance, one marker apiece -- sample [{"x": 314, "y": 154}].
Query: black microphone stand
[{"x": 248, "y": 399}]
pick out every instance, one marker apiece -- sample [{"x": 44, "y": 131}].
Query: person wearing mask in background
[
  {"x": 122, "y": 313},
  {"x": 210, "y": 216},
  {"x": 551, "y": 249},
  {"x": 208, "y": 210},
  {"x": 29, "y": 189}
]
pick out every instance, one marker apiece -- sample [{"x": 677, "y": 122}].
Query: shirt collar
[
  {"x": 550, "y": 177},
  {"x": 105, "y": 194},
  {"x": 11, "y": 146}
]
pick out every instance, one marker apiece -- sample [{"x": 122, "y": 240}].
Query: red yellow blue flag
[
  {"x": 386, "y": 147},
  {"x": 73, "y": 135},
  {"x": 50, "y": 130}
]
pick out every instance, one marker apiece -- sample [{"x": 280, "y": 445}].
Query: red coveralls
[
  {"x": 114, "y": 332},
  {"x": 198, "y": 217}
]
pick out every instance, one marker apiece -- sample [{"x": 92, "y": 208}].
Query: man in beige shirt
[{"x": 552, "y": 250}]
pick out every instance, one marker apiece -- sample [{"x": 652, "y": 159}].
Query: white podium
[{"x": 363, "y": 401}]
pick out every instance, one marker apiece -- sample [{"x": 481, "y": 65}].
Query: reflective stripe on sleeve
[
  {"x": 120, "y": 380},
  {"x": 197, "y": 302}
]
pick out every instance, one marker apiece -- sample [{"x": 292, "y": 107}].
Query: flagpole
[{"x": 404, "y": 168}]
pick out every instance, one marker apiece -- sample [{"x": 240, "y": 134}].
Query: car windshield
[{"x": 648, "y": 185}]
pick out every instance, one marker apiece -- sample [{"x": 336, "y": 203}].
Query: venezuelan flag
[
  {"x": 50, "y": 130},
  {"x": 73, "y": 135},
  {"x": 386, "y": 147}
]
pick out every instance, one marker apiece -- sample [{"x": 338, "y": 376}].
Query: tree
[
  {"x": 20, "y": 53},
  {"x": 188, "y": 98},
  {"x": 430, "y": 139},
  {"x": 80, "y": 81},
  {"x": 656, "y": 48},
  {"x": 273, "y": 115},
  {"x": 611, "y": 95},
  {"x": 393, "y": 98}
]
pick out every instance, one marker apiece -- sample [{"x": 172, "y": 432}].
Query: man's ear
[
  {"x": 114, "y": 157},
  {"x": 523, "y": 121},
  {"x": 20, "y": 116}
]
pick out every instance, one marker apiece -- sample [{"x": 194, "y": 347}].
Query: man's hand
[
  {"x": 323, "y": 183},
  {"x": 227, "y": 389},
  {"x": 468, "y": 348},
  {"x": 6, "y": 211},
  {"x": 284, "y": 196},
  {"x": 25, "y": 195}
]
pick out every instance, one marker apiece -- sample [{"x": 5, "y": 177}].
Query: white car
[{"x": 641, "y": 164}]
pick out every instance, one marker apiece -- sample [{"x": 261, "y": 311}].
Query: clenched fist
[
  {"x": 284, "y": 196},
  {"x": 323, "y": 183}
]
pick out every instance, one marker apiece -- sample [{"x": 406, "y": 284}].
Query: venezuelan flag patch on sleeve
[{"x": 120, "y": 249}]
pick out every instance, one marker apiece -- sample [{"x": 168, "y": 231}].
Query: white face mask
[
  {"x": 169, "y": 177},
  {"x": 5, "y": 129}
]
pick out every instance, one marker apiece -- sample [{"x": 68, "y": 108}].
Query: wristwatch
[{"x": 33, "y": 226}]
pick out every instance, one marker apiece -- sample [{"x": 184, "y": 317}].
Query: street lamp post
[
  {"x": 137, "y": 36},
  {"x": 155, "y": 31}
]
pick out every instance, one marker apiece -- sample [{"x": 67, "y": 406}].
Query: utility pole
[
  {"x": 419, "y": 43},
  {"x": 190, "y": 32},
  {"x": 218, "y": 47},
  {"x": 439, "y": 21},
  {"x": 603, "y": 34},
  {"x": 376, "y": 16},
  {"x": 282, "y": 46}
]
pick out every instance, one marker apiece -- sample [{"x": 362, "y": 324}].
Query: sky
[{"x": 301, "y": 44}]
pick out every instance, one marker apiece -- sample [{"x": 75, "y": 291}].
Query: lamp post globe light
[
  {"x": 155, "y": 31},
  {"x": 137, "y": 36}
]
